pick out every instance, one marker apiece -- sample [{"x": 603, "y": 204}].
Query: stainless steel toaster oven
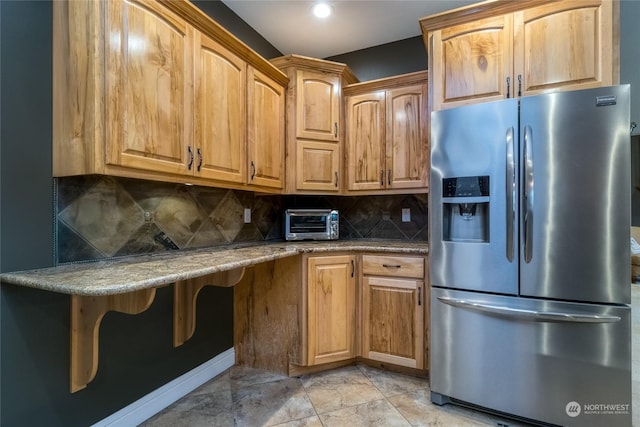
[{"x": 311, "y": 224}]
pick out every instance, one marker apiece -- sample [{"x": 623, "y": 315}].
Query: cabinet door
[
  {"x": 317, "y": 166},
  {"x": 149, "y": 88},
  {"x": 318, "y": 106},
  {"x": 220, "y": 112},
  {"x": 265, "y": 130},
  {"x": 331, "y": 309},
  {"x": 471, "y": 62},
  {"x": 564, "y": 45},
  {"x": 365, "y": 141},
  {"x": 393, "y": 321},
  {"x": 406, "y": 137}
]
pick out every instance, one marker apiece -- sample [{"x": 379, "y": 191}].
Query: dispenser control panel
[{"x": 467, "y": 186}]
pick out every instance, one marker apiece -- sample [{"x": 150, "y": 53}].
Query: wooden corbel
[
  {"x": 86, "y": 314},
  {"x": 185, "y": 294}
]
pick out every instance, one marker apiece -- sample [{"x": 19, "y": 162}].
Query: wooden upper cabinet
[
  {"x": 149, "y": 95},
  {"x": 496, "y": 50},
  {"x": 318, "y": 106},
  {"x": 314, "y": 147},
  {"x": 471, "y": 62},
  {"x": 265, "y": 130},
  {"x": 156, "y": 90},
  {"x": 386, "y": 137},
  {"x": 406, "y": 146},
  {"x": 366, "y": 151},
  {"x": 564, "y": 45},
  {"x": 318, "y": 166},
  {"x": 220, "y": 112}
]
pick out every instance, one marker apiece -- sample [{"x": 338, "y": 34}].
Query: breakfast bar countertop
[{"x": 127, "y": 274}]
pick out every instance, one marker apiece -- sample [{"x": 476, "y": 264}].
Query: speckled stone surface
[{"x": 122, "y": 275}]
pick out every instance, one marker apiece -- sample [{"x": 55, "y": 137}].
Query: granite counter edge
[{"x": 80, "y": 279}]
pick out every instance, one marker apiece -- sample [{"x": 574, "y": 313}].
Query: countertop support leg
[
  {"x": 185, "y": 294},
  {"x": 86, "y": 314}
]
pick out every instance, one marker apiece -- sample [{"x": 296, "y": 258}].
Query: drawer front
[{"x": 396, "y": 266}]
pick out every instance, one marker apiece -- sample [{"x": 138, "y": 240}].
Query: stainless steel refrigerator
[{"x": 529, "y": 257}]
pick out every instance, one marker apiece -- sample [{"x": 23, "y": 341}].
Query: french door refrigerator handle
[
  {"x": 528, "y": 195},
  {"x": 533, "y": 315},
  {"x": 511, "y": 195}
]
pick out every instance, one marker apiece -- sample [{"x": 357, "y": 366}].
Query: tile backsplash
[{"x": 102, "y": 216}]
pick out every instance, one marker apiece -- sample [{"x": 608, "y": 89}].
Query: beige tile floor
[{"x": 352, "y": 396}]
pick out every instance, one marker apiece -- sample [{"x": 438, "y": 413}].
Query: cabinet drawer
[{"x": 396, "y": 266}]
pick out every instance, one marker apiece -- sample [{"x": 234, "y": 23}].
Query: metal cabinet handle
[
  {"x": 389, "y": 174},
  {"x": 199, "y": 159},
  {"x": 519, "y": 85},
  {"x": 511, "y": 195},
  {"x": 253, "y": 170},
  {"x": 336, "y": 173},
  {"x": 528, "y": 194},
  {"x": 392, "y": 265},
  {"x": 419, "y": 295},
  {"x": 353, "y": 268},
  {"x": 190, "y": 162},
  {"x": 508, "y": 87},
  {"x": 382, "y": 177},
  {"x": 335, "y": 129},
  {"x": 534, "y": 315}
]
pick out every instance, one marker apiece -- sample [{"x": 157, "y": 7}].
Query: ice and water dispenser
[{"x": 465, "y": 209}]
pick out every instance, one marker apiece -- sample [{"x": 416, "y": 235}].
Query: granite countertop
[{"x": 122, "y": 275}]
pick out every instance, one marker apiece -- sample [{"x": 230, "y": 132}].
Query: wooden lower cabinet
[
  {"x": 389, "y": 300},
  {"x": 330, "y": 309},
  {"x": 393, "y": 321},
  {"x": 393, "y": 309},
  {"x": 313, "y": 312}
]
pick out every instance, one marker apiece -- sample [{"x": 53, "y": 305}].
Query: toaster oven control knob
[{"x": 334, "y": 230}]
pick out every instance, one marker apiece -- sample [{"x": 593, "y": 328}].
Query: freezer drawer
[{"x": 560, "y": 363}]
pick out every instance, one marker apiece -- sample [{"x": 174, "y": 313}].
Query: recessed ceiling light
[{"x": 321, "y": 10}]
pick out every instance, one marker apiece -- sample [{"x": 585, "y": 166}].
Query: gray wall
[
  {"x": 136, "y": 355},
  {"x": 630, "y": 73},
  {"x": 390, "y": 59},
  {"x": 232, "y": 22}
]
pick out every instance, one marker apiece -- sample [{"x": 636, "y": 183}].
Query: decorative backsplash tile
[{"x": 101, "y": 216}]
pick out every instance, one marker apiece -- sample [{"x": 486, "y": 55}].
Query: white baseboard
[{"x": 154, "y": 402}]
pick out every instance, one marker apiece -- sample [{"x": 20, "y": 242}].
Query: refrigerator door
[
  {"x": 575, "y": 205},
  {"x": 557, "y": 362},
  {"x": 473, "y": 197}
]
